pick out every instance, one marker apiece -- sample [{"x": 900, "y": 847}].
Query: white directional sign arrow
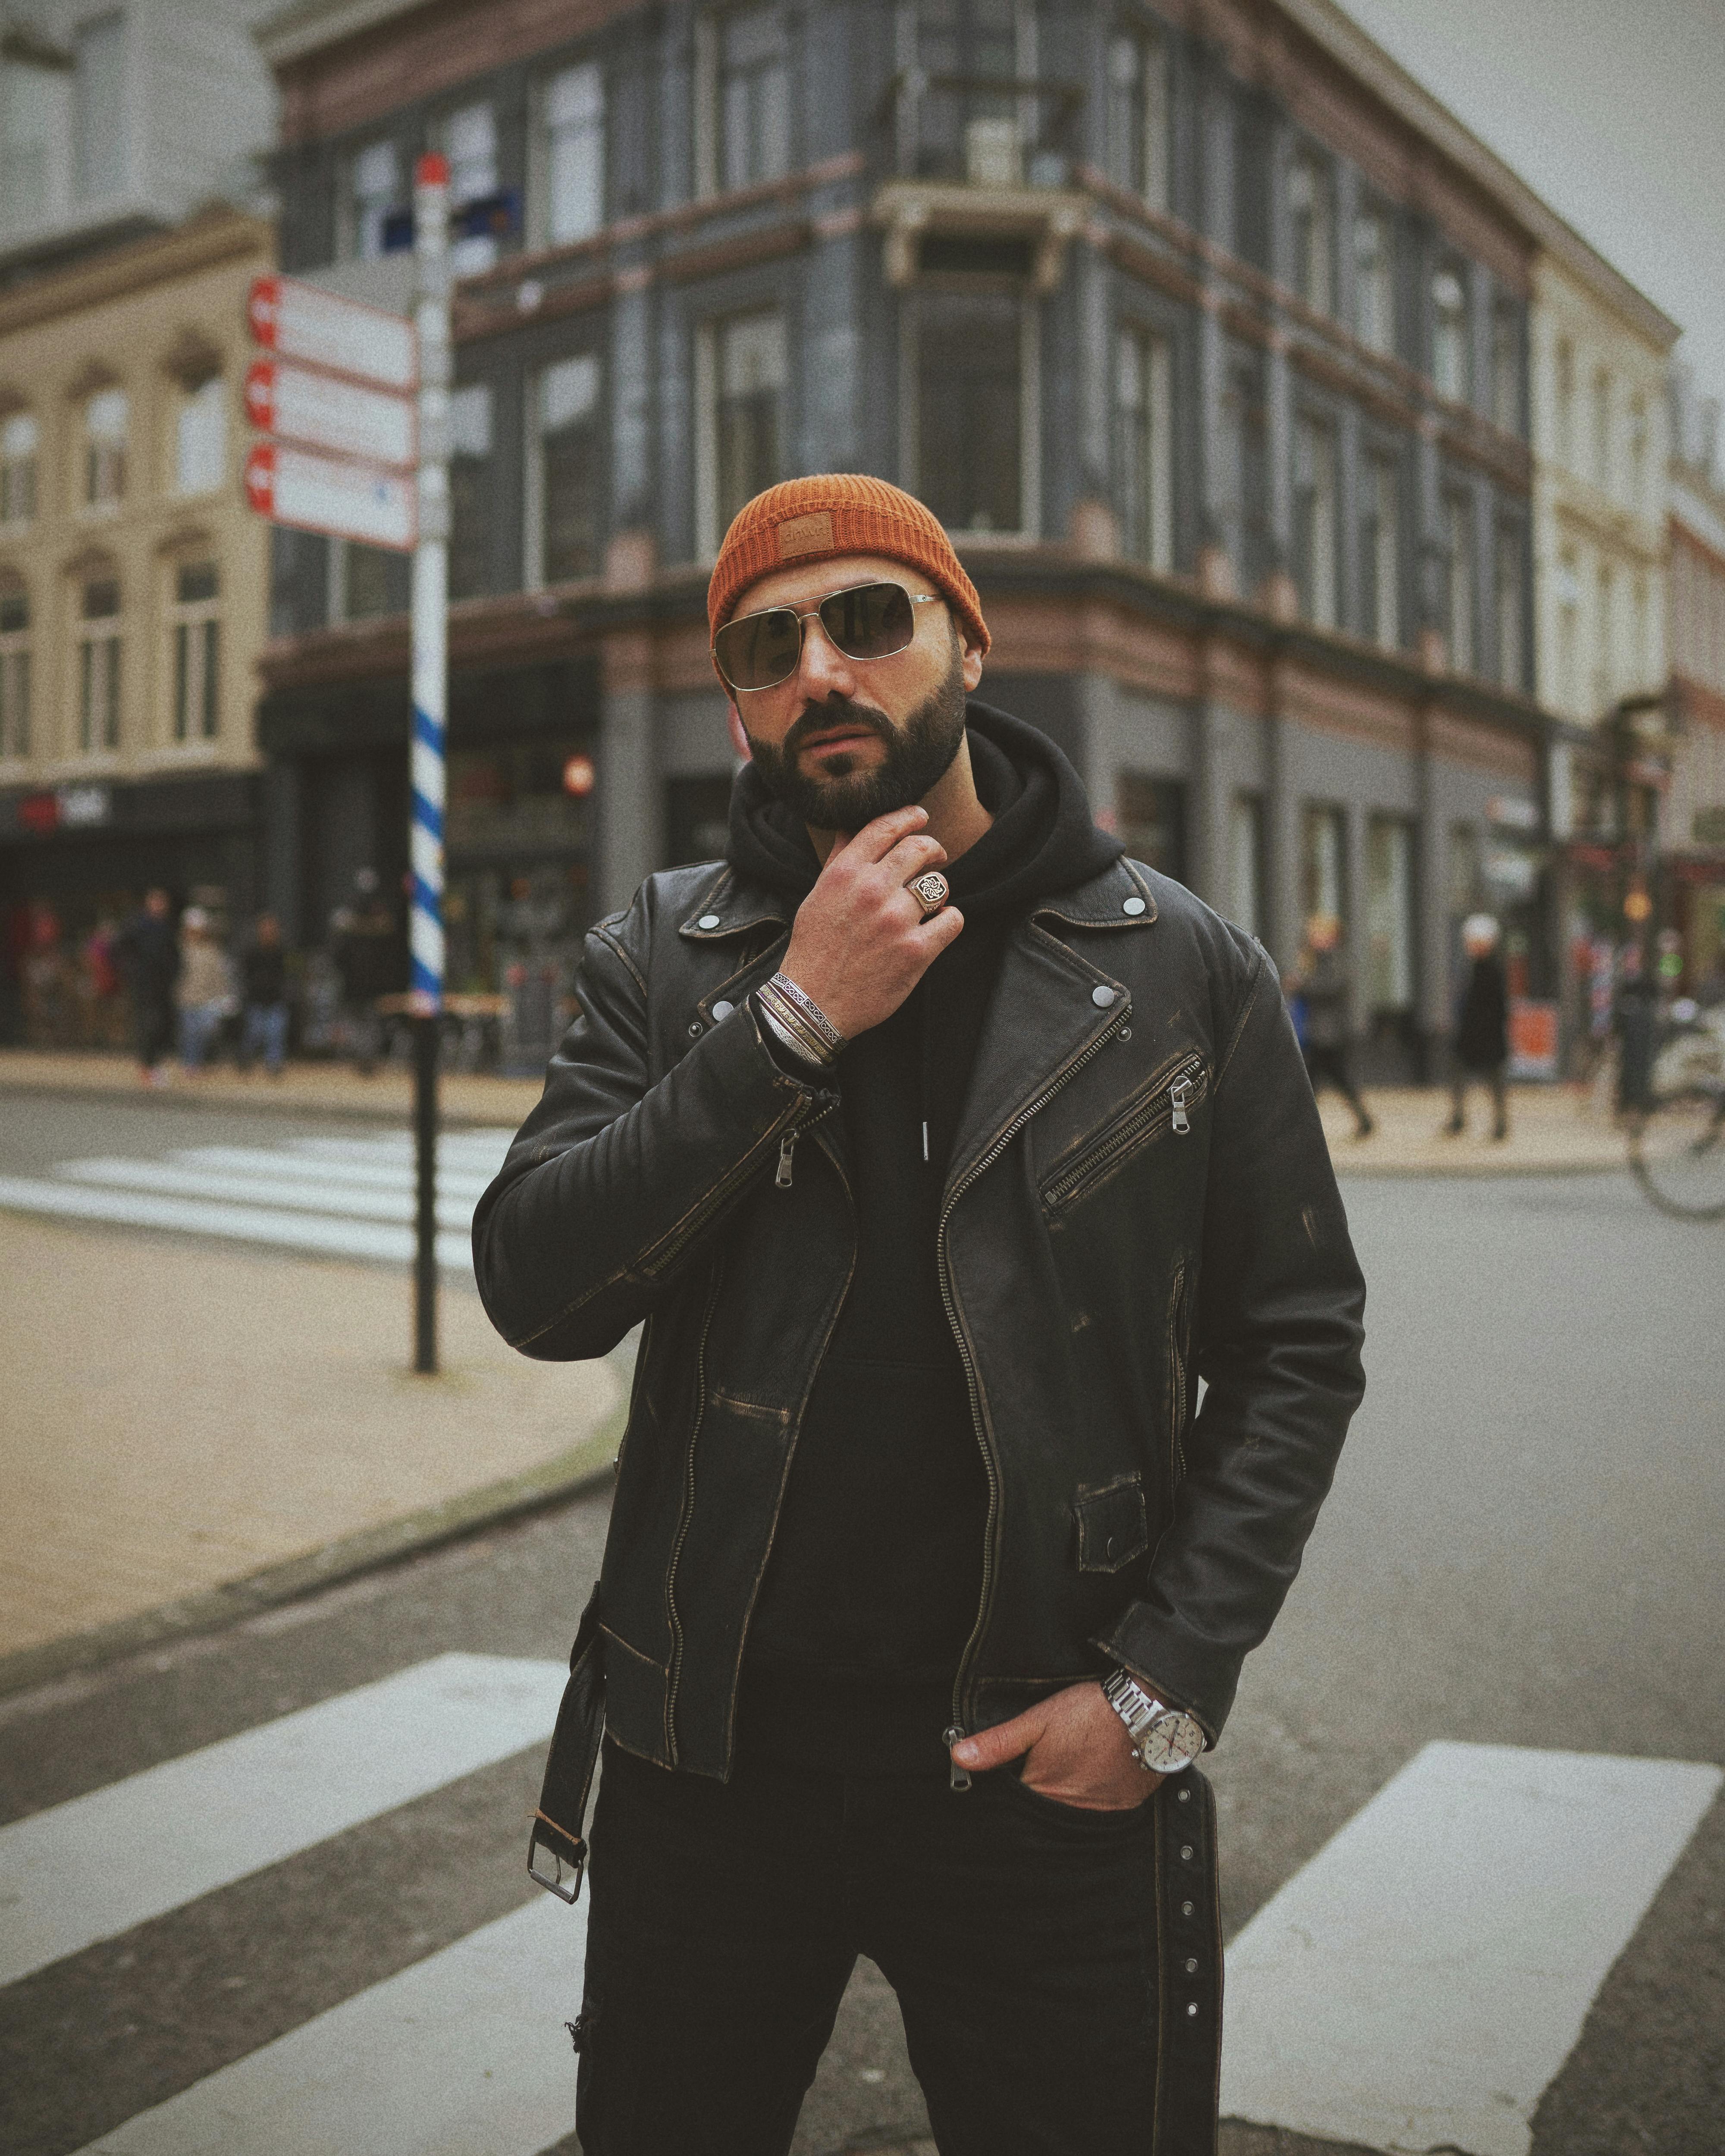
[
  {"x": 333, "y": 495},
  {"x": 297, "y": 320},
  {"x": 321, "y": 412}
]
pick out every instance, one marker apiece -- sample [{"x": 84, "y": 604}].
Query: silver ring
[{"x": 931, "y": 891}]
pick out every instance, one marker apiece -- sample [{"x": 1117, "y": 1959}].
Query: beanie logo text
[{"x": 805, "y": 535}]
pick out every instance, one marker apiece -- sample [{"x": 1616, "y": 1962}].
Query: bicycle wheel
[{"x": 1677, "y": 1151}]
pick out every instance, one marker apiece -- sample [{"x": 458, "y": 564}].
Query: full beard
[{"x": 844, "y": 797}]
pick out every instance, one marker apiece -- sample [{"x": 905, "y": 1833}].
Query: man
[
  {"x": 263, "y": 968},
  {"x": 1324, "y": 984},
  {"x": 367, "y": 953},
  {"x": 1481, "y": 1046},
  {"x": 149, "y": 954},
  {"x": 942, "y": 1151}
]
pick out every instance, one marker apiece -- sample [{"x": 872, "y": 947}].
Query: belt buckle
[{"x": 553, "y": 1884}]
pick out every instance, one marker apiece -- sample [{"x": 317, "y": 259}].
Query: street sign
[
  {"x": 322, "y": 412},
  {"x": 297, "y": 320},
  {"x": 332, "y": 495}
]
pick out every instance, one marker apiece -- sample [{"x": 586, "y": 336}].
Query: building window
[
  {"x": 15, "y": 668},
  {"x": 200, "y": 439},
  {"x": 1605, "y": 641},
  {"x": 1507, "y": 366},
  {"x": 198, "y": 634},
  {"x": 1451, "y": 337},
  {"x": 568, "y": 470},
  {"x": 748, "y": 137},
  {"x": 1637, "y": 454},
  {"x": 1510, "y": 599},
  {"x": 469, "y": 493},
  {"x": 1150, "y": 816},
  {"x": 35, "y": 134},
  {"x": 373, "y": 191},
  {"x": 1602, "y": 431},
  {"x": 1242, "y": 481},
  {"x": 1638, "y": 629},
  {"x": 1380, "y": 552},
  {"x": 1315, "y": 521},
  {"x": 99, "y": 110},
  {"x": 741, "y": 368},
  {"x": 1458, "y": 515},
  {"x": 1137, "y": 130},
  {"x": 470, "y": 142},
  {"x": 1374, "y": 281},
  {"x": 370, "y": 582},
  {"x": 1390, "y": 915},
  {"x": 99, "y": 667},
  {"x": 1245, "y": 863},
  {"x": 1312, "y": 218},
  {"x": 1141, "y": 390},
  {"x": 1568, "y": 597},
  {"x": 971, "y": 463},
  {"x": 1323, "y": 862},
  {"x": 574, "y": 153},
  {"x": 107, "y": 417},
  {"x": 20, "y": 438}
]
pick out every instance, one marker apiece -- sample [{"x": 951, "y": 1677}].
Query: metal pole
[{"x": 430, "y": 676}]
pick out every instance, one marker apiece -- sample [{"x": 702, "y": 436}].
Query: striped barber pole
[{"x": 430, "y": 592}]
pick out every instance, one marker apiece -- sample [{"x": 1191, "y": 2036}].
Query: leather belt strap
[{"x": 557, "y": 1849}]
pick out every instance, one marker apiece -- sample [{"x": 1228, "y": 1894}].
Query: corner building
[{"x": 1201, "y": 327}]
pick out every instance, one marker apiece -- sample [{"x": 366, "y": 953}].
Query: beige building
[
  {"x": 134, "y": 580},
  {"x": 1692, "y": 821}
]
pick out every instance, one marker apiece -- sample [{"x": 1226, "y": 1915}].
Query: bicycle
[{"x": 1676, "y": 1134}]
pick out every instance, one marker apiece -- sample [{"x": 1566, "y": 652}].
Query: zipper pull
[
  {"x": 961, "y": 1775},
  {"x": 1179, "y": 1093},
  {"x": 787, "y": 1146}
]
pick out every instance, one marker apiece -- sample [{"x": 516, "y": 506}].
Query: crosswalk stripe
[
  {"x": 463, "y": 2052},
  {"x": 323, "y": 1232},
  {"x": 393, "y": 1173},
  {"x": 1420, "y": 1982},
  {"x": 341, "y": 1201},
  {"x": 97, "y": 1865}
]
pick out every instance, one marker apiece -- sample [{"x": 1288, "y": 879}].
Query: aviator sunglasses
[{"x": 869, "y": 621}]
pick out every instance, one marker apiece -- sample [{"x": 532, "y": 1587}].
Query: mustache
[{"x": 836, "y": 711}]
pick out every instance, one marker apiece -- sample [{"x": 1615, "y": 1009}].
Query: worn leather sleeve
[
  {"x": 1276, "y": 1337},
  {"x": 618, "y": 1180}
]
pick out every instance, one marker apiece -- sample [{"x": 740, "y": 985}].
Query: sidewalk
[
  {"x": 192, "y": 1432},
  {"x": 1553, "y": 1129}
]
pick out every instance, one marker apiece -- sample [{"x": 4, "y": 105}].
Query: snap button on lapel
[
  {"x": 708, "y": 921},
  {"x": 1132, "y": 905},
  {"x": 1102, "y": 997},
  {"x": 722, "y": 1011}
]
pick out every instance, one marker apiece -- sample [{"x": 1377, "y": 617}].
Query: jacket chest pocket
[{"x": 1163, "y": 1111}]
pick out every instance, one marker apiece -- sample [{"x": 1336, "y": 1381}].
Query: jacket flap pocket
[{"x": 1113, "y": 1527}]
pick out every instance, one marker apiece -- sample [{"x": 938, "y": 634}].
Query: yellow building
[{"x": 134, "y": 585}]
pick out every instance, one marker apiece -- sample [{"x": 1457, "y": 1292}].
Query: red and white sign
[
  {"x": 333, "y": 495},
  {"x": 297, "y": 320},
  {"x": 320, "y": 411}
]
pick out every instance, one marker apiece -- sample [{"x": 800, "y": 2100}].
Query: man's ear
[
  {"x": 739, "y": 739},
  {"x": 972, "y": 666}
]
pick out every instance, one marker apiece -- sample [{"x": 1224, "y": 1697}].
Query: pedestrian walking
[
  {"x": 364, "y": 946},
  {"x": 204, "y": 993},
  {"x": 943, "y": 1150},
  {"x": 1479, "y": 1046},
  {"x": 263, "y": 970},
  {"x": 1322, "y": 984},
  {"x": 148, "y": 951}
]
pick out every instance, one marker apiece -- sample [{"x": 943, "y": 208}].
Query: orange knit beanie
[{"x": 832, "y": 514}]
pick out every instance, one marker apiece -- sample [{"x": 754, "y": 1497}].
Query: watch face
[{"x": 1174, "y": 1741}]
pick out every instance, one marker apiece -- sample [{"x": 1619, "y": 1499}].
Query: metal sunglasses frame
[{"x": 915, "y": 598}]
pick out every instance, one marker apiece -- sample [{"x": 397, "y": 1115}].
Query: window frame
[
  {"x": 103, "y": 632},
  {"x": 1509, "y": 582},
  {"x": 27, "y": 462},
  {"x": 1154, "y": 361},
  {"x": 17, "y": 671},
  {"x": 1381, "y": 622},
  {"x": 535, "y": 495},
  {"x": 542, "y": 161},
  {"x": 1452, "y": 371},
  {"x": 358, "y": 211},
  {"x": 1029, "y": 372},
  {"x": 1310, "y": 164},
  {"x": 1461, "y": 581},
  {"x": 712, "y": 161},
  {"x": 101, "y": 455},
  {"x": 194, "y": 627},
  {"x": 1377, "y": 215},
  {"x": 1137, "y": 148},
  {"x": 1319, "y": 607},
  {"x": 709, "y": 336},
  {"x": 187, "y": 402}
]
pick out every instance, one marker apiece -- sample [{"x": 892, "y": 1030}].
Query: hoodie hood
[{"x": 1043, "y": 839}]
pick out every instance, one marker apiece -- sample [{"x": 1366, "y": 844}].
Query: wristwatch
[{"x": 1164, "y": 1738}]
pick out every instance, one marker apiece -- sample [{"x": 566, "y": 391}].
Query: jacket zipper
[
  {"x": 1170, "y": 1105},
  {"x": 1177, "y": 1370},
  {"x": 726, "y": 1184},
  {"x": 675, "y": 1671},
  {"x": 960, "y": 1777}
]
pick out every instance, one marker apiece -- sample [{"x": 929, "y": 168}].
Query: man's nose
[{"x": 825, "y": 671}]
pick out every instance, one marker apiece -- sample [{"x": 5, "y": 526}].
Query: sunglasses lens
[
  {"x": 871, "y": 622},
  {"x": 760, "y": 650}
]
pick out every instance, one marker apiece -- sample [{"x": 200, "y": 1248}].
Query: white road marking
[
  {"x": 394, "y": 1171},
  {"x": 341, "y": 1201},
  {"x": 324, "y": 1233},
  {"x": 91, "y": 1868},
  {"x": 1420, "y": 1983},
  {"x": 463, "y": 2052}
]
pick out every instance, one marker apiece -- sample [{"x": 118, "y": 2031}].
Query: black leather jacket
[{"x": 1139, "y": 1196}]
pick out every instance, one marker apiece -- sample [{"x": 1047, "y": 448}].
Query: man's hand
[
  {"x": 1075, "y": 1751},
  {"x": 859, "y": 944}
]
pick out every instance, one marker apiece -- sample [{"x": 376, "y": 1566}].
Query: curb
[{"x": 583, "y": 1468}]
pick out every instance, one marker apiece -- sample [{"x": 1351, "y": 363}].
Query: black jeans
[{"x": 1050, "y": 1964}]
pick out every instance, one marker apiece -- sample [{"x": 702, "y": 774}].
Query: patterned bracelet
[{"x": 799, "y": 1022}]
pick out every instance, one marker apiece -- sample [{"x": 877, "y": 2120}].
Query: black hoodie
[{"x": 875, "y": 1577}]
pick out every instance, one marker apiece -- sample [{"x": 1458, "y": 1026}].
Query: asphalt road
[{"x": 1522, "y": 1549}]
